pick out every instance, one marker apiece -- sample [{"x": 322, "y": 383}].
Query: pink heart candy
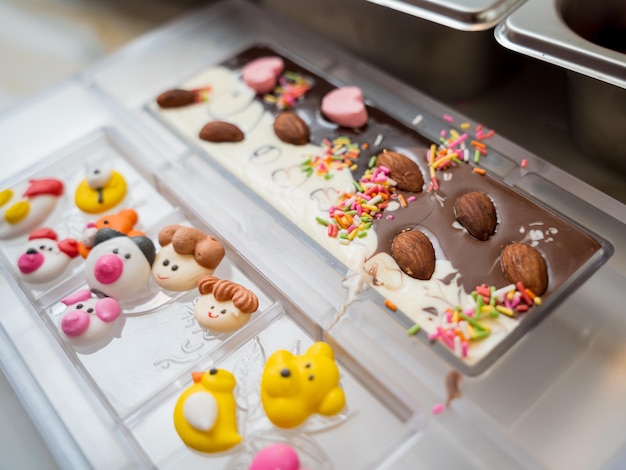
[
  {"x": 261, "y": 74},
  {"x": 345, "y": 106}
]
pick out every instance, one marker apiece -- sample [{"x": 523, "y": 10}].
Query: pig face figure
[
  {"x": 88, "y": 320},
  {"x": 119, "y": 266}
]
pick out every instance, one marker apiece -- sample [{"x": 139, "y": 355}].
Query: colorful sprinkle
[
  {"x": 390, "y": 305},
  {"x": 339, "y": 154},
  {"x": 291, "y": 87},
  {"x": 438, "y": 408},
  {"x": 413, "y": 330}
]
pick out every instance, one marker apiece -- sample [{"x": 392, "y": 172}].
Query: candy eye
[
  {"x": 105, "y": 222},
  {"x": 175, "y": 267},
  {"x": 127, "y": 256},
  {"x": 90, "y": 310},
  {"x": 42, "y": 247},
  {"x": 79, "y": 306},
  {"x": 166, "y": 262},
  {"x": 223, "y": 311},
  {"x": 311, "y": 377},
  {"x": 115, "y": 251},
  {"x": 50, "y": 248}
]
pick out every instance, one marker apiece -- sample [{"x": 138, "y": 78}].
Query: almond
[
  {"x": 523, "y": 263},
  {"x": 415, "y": 254},
  {"x": 291, "y": 129},
  {"x": 403, "y": 171},
  {"x": 476, "y": 212},
  {"x": 221, "y": 131},
  {"x": 176, "y": 98}
]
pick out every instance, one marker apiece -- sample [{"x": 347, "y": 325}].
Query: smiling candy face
[
  {"x": 219, "y": 316},
  {"x": 117, "y": 267},
  {"x": 177, "y": 272}
]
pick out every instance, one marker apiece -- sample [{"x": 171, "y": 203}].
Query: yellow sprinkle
[
  {"x": 353, "y": 234},
  {"x": 505, "y": 310},
  {"x": 369, "y": 207},
  {"x": 454, "y": 134},
  {"x": 537, "y": 300},
  {"x": 465, "y": 125}
]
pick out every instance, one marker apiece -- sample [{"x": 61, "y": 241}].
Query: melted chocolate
[{"x": 564, "y": 246}]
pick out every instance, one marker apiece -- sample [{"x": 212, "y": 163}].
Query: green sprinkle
[
  {"x": 476, "y": 324},
  {"x": 476, "y": 156},
  {"x": 343, "y": 235},
  {"x": 372, "y": 161},
  {"x": 413, "y": 330},
  {"x": 357, "y": 186},
  {"x": 328, "y": 176},
  {"x": 481, "y": 334},
  {"x": 324, "y": 222},
  {"x": 362, "y": 234},
  {"x": 479, "y": 305}
]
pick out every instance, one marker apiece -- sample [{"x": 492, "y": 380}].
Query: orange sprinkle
[
  {"x": 530, "y": 293},
  {"x": 475, "y": 143},
  {"x": 390, "y": 305},
  {"x": 403, "y": 202},
  {"x": 365, "y": 145},
  {"x": 480, "y": 171}
]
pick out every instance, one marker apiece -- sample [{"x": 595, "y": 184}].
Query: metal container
[
  {"x": 443, "y": 47},
  {"x": 588, "y": 39}
]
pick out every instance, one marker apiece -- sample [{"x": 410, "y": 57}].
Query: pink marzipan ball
[{"x": 276, "y": 457}]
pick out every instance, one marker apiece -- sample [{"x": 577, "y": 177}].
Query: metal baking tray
[
  {"x": 586, "y": 39},
  {"x": 474, "y": 15}
]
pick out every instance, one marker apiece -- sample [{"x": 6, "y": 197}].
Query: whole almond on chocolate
[
  {"x": 403, "y": 171},
  {"x": 221, "y": 131},
  {"x": 415, "y": 254},
  {"x": 476, "y": 212},
  {"x": 291, "y": 129},
  {"x": 176, "y": 98},
  {"x": 523, "y": 263}
]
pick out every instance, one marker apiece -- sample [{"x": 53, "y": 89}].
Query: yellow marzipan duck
[{"x": 205, "y": 413}]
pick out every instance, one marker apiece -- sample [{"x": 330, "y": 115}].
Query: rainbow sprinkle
[
  {"x": 354, "y": 213},
  {"x": 454, "y": 150},
  {"x": 201, "y": 94},
  {"x": 460, "y": 327},
  {"x": 339, "y": 154},
  {"x": 291, "y": 87}
]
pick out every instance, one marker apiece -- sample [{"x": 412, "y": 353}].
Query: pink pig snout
[
  {"x": 30, "y": 261},
  {"x": 108, "y": 269}
]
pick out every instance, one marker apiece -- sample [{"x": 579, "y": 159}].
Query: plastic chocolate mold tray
[
  {"x": 136, "y": 375},
  {"x": 299, "y": 194}
]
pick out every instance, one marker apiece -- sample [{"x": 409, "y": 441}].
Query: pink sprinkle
[
  {"x": 438, "y": 408},
  {"x": 390, "y": 217},
  {"x": 457, "y": 141},
  {"x": 464, "y": 348},
  {"x": 443, "y": 133},
  {"x": 411, "y": 198},
  {"x": 433, "y": 336},
  {"x": 448, "y": 118},
  {"x": 524, "y": 163}
]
